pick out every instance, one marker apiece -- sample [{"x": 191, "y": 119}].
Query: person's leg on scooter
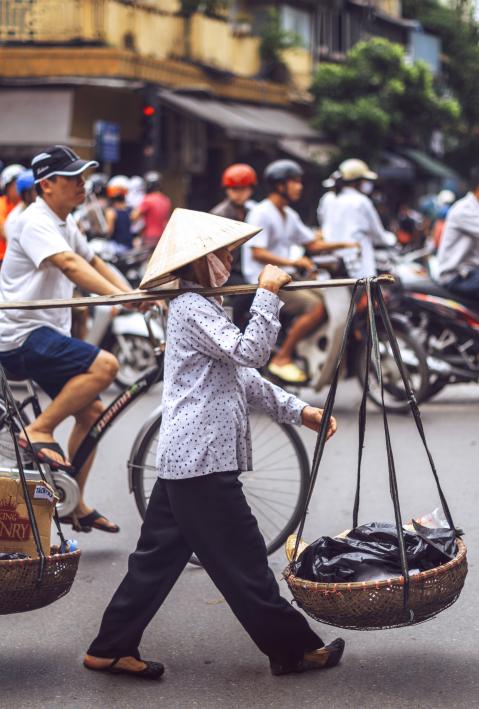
[{"x": 310, "y": 312}]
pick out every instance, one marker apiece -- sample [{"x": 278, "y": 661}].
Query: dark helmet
[
  {"x": 96, "y": 183},
  {"x": 280, "y": 171},
  {"x": 153, "y": 181}
]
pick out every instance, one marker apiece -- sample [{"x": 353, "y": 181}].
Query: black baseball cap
[{"x": 59, "y": 160}]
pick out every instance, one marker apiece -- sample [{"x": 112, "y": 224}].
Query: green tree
[
  {"x": 376, "y": 99},
  {"x": 275, "y": 39},
  {"x": 459, "y": 34}
]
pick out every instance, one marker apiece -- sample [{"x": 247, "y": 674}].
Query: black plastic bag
[{"x": 371, "y": 551}]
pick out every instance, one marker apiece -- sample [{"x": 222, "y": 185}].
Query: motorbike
[
  {"x": 447, "y": 326},
  {"x": 318, "y": 354}
]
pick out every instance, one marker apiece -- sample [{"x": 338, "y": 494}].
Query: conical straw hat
[{"x": 188, "y": 236}]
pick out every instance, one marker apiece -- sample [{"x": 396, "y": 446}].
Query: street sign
[{"x": 107, "y": 137}]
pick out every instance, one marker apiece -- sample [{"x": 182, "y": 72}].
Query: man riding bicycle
[{"x": 46, "y": 258}]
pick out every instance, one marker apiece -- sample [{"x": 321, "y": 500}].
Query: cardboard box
[{"x": 15, "y": 529}]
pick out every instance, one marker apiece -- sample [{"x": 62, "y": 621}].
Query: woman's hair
[{"x": 185, "y": 272}]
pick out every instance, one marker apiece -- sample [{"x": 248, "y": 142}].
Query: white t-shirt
[
  {"x": 11, "y": 222},
  {"x": 325, "y": 204},
  {"x": 279, "y": 233},
  {"x": 25, "y": 275},
  {"x": 353, "y": 217}
]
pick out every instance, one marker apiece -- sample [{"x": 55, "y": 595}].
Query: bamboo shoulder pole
[{"x": 140, "y": 296}]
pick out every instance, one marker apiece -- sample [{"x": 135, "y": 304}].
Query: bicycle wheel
[{"x": 275, "y": 489}]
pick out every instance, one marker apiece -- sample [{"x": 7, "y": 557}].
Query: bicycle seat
[{"x": 428, "y": 287}]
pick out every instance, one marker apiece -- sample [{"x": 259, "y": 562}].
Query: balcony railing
[
  {"x": 153, "y": 31},
  {"x": 52, "y": 21}
]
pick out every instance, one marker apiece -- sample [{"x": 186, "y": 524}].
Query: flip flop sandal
[
  {"x": 290, "y": 373},
  {"x": 153, "y": 670},
  {"x": 38, "y": 446},
  {"x": 76, "y": 526},
  {"x": 89, "y": 522}
]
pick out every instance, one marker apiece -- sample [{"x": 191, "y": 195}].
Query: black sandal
[
  {"x": 89, "y": 522},
  {"x": 153, "y": 670},
  {"x": 39, "y": 446}
]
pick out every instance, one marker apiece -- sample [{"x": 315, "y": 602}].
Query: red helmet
[{"x": 239, "y": 175}]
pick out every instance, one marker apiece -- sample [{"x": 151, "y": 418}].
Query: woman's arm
[
  {"x": 262, "y": 395},
  {"x": 211, "y": 333},
  {"x": 283, "y": 407},
  {"x": 110, "y": 216}
]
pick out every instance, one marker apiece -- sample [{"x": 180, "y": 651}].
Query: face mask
[
  {"x": 367, "y": 187},
  {"x": 218, "y": 272}
]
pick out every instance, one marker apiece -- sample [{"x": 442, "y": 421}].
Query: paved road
[{"x": 211, "y": 663}]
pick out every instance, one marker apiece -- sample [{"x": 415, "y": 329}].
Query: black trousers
[{"x": 207, "y": 515}]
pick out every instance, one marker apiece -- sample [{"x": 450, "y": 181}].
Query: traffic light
[{"x": 150, "y": 129}]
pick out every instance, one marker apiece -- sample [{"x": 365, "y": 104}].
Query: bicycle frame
[
  {"x": 125, "y": 399},
  {"x": 115, "y": 409}
]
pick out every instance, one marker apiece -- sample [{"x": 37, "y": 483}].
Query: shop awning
[
  {"x": 241, "y": 120},
  {"x": 395, "y": 168},
  {"x": 311, "y": 151},
  {"x": 429, "y": 165},
  {"x": 36, "y": 118}
]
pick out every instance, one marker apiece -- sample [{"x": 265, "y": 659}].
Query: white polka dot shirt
[{"x": 211, "y": 383}]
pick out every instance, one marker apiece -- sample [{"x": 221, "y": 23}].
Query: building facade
[{"x": 186, "y": 92}]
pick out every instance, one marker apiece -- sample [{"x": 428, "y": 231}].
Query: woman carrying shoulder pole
[{"x": 197, "y": 504}]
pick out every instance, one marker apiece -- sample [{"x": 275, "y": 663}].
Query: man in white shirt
[
  {"x": 332, "y": 186},
  {"x": 47, "y": 257},
  {"x": 458, "y": 255},
  {"x": 353, "y": 217},
  {"x": 282, "y": 227}
]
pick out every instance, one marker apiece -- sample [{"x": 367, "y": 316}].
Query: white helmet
[
  {"x": 136, "y": 183},
  {"x": 332, "y": 180},
  {"x": 118, "y": 185},
  {"x": 10, "y": 173},
  {"x": 446, "y": 197},
  {"x": 353, "y": 169}
]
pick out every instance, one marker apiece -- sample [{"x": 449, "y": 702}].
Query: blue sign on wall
[{"x": 107, "y": 136}]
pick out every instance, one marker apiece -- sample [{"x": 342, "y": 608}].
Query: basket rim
[
  {"x": 51, "y": 558},
  {"x": 383, "y": 583}
]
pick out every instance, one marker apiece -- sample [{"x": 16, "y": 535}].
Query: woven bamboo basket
[
  {"x": 19, "y": 588},
  {"x": 374, "y": 605}
]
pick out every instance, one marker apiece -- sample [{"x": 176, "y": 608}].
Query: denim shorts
[
  {"x": 467, "y": 286},
  {"x": 49, "y": 359}
]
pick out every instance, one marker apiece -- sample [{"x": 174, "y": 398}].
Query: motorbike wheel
[
  {"x": 415, "y": 360},
  {"x": 135, "y": 355}
]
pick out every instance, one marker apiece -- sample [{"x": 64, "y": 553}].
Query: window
[{"x": 299, "y": 21}]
